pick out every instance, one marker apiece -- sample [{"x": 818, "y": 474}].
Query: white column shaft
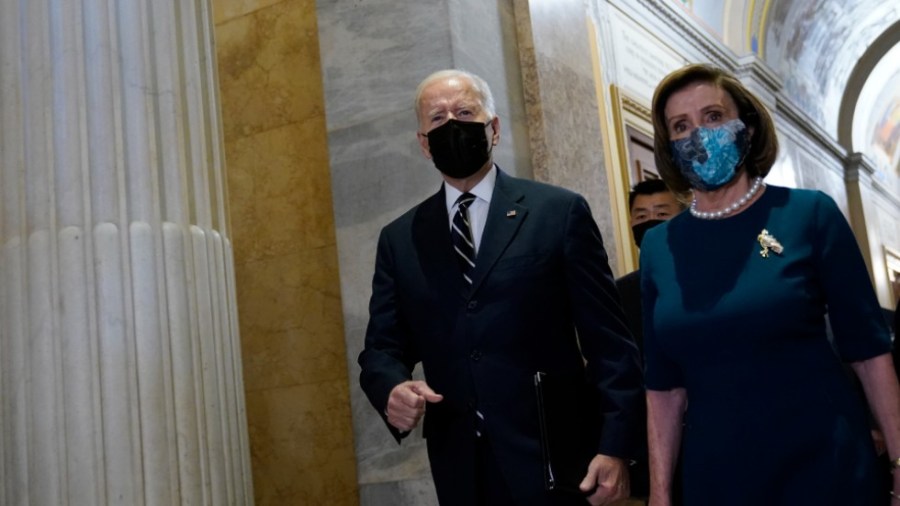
[{"x": 120, "y": 368}]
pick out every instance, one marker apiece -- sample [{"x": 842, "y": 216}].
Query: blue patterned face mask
[{"x": 710, "y": 156}]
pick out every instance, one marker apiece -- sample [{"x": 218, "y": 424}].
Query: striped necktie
[
  {"x": 461, "y": 236},
  {"x": 464, "y": 246}
]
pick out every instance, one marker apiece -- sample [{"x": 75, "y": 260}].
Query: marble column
[{"x": 120, "y": 370}]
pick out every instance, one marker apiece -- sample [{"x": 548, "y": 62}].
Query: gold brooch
[{"x": 767, "y": 241}]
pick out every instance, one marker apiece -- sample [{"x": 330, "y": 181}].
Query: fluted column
[{"x": 120, "y": 370}]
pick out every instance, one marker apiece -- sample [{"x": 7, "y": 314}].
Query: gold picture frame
[
  {"x": 632, "y": 157},
  {"x": 634, "y": 132}
]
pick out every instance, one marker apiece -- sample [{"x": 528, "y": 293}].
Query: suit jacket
[
  {"x": 543, "y": 298},
  {"x": 629, "y": 287}
]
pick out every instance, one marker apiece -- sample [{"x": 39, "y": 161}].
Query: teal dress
[{"x": 772, "y": 417}]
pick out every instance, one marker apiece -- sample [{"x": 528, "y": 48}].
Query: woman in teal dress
[{"x": 742, "y": 380}]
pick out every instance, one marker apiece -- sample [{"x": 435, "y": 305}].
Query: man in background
[{"x": 650, "y": 203}]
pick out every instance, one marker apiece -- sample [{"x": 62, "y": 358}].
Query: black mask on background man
[
  {"x": 459, "y": 148},
  {"x": 641, "y": 228}
]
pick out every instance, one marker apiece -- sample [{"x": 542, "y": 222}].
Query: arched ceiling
[
  {"x": 875, "y": 128},
  {"x": 815, "y": 46}
]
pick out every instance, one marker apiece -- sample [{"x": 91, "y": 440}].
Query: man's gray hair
[{"x": 478, "y": 84}]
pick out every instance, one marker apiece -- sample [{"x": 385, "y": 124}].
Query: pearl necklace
[{"x": 734, "y": 206}]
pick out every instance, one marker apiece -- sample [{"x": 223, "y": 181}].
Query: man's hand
[
  {"x": 406, "y": 404},
  {"x": 610, "y": 476}
]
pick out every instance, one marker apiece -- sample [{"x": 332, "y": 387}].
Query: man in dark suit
[
  {"x": 516, "y": 281},
  {"x": 650, "y": 203}
]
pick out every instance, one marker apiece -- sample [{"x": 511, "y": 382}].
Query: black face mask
[
  {"x": 641, "y": 228},
  {"x": 459, "y": 148}
]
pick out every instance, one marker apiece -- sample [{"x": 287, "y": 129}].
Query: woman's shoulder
[
  {"x": 798, "y": 199},
  {"x": 800, "y": 195},
  {"x": 656, "y": 239}
]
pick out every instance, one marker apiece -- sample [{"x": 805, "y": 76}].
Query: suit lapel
[
  {"x": 431, "y": 236},
  {"x": 505, "y": 216}
]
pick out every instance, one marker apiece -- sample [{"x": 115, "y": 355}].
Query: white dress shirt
[{"x": 478, "y": 210}]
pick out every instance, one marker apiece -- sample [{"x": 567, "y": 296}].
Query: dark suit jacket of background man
[
  {"x": 541, "y": 272},
  {"x": 629, "y": 287}
]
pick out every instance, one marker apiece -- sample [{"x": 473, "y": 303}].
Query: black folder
[{"x": 570, "y": 423}]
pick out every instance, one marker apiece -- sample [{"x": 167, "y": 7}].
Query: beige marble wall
[
  {"x": 288, "y": 290},
  {"x": 558, "y": 71}
]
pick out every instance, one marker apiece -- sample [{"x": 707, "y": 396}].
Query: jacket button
[
  {"x": 472, "y": 305},
  {"x": 475, "y": 355}
]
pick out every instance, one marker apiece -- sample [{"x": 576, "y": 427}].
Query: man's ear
[
  {"x": 423, "y": 144},
  {"x": 495, "y": 127}
]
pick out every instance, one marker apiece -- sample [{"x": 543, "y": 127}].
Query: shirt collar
[{"x": 483, "y": 190}]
